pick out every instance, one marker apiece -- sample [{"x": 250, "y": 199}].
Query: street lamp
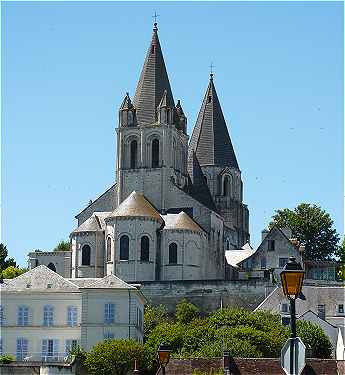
[
  {"x": 292, "y": 277},
  {"x": 163, "y": 356}
]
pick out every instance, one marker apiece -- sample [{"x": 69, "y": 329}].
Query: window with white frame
[
  {"x": 23, "y": 316},
  {"x": 72, "y": 316},
  {"x": 271, "y": 245},
  {"x": 70, "y": 345},
  {"x": 321, "y": 311},
  {"x": 48, "y": 315},
  {"x": 263, "y": 263},
  {"x": 284, "y": 308},
  {"x": 22, "y": 348},
  {"x": 341, "y": 308},
  {"x": 50, "y": 349},
  {"x": 109, "y": 313},
  {"x": 108, "y": 335},
  {"x": 2, "y": 316}
]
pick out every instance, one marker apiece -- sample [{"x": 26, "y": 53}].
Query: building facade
[
  {"x": 176, "y": 205},
  {"x": 43, "y": 315}
]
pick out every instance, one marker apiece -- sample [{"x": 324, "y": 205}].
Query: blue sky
[{"x": 66, "y": 67}]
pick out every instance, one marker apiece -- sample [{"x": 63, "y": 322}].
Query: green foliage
[
  {"x": 4, "y": 263},
  {"x": 312, "y": 227},
  {"x": 185, "y": 312},
  {"x": 12, "y": 272},
  {"x": 114, "y": 357},
  {"x": 62, "y": 246},
  {"x": 312, "y": 335},
  {"x": 78, "y": 353},
  {"x": 153, "y": 315},
  {"x": 7, "y": 358}
]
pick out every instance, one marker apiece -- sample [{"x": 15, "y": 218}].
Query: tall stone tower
[
  {"x": 151, "y": 136},
  {"x": 212, "y": 146}
]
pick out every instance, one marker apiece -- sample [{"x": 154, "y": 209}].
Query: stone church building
[{"x": 177, "y": 203}]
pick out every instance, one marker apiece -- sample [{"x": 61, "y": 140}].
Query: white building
[{"x": 42, "y": 314}]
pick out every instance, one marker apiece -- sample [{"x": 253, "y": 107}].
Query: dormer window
[
  {"x": 49, "y": 286},
  {"x": 152, "y": 49},
  {"x": 209, "y": 99}
]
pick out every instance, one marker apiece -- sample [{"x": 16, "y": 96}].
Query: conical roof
[
  {"x": 136, "y": 205},
  {"x": 210, "y": 139},
  {"x": 126, "y": 103},
  {"x": 152, "y": 83},
  {"x": 181, "y": 221}
]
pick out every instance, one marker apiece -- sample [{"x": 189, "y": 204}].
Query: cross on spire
[
  {"x": 211, "y": 70},
  {"x": 155, "y": 16}
]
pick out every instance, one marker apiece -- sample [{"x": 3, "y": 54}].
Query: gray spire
[
  {"x": 210, "y": 139},
  {"x": 152, "y": 84}
]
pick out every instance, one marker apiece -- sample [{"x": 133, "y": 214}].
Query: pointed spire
[
  {"x": 210, "y": 139},
  {"x": 164, "y": 101},
  {"x": 179, "y": 109},
  {"x": 152, "y": 83},
  {"x": 126, "y": 103},
  {"x": 199, "y": 188}
]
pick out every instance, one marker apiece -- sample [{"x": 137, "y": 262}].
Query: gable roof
[
  {"x": 180, "y": 221},
  {"x": 110, "y": 281},
  {"x": 136, "y": 205},
  {"x": 39, "y": 278},
  {"x": 210, "y": 138},
  {"x": 152, "y": 83}
]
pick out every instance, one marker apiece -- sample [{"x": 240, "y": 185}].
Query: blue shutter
[
  {"x": 75, "y": 316},
  {"x": 56, "y": 347},
  {"x": 2, "y": 316},
  {"x": 112, "y": 313},
  {"x": 69, "y": 316},
  {"x": 25, "y": 316},
  {"x": 72, "y": 316},
  {"x": 0, "y": 346}
]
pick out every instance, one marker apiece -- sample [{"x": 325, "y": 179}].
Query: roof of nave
[
  {"x": 39, "y": 278},
  {"x": 181, "y": 221},
  {"x": 94, "y": 223},
  {"x": 234, "y": 257},
  {"x": 136, "y": 205}
]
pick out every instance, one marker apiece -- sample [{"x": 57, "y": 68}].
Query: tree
[
  {"x": 4, "y": 263},
  {"x": 185, "y": 312},
  {"x": 114, "y": 357},
  {"x": 341, "y": 256},
  {"x": 11, "y": 272},
  {"x": 62, "y": 246},
  {"x": 312, "y": 227},
  {"x": 313, "y": 336}
]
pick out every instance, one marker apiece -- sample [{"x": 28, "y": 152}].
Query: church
[{"x": 177, "y": 204}]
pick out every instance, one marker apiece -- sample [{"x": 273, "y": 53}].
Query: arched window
[
  {"x": 155, "y": 153},
  {"x": 124, "y": 248},
  {"x": 173, "y": 253},
  {"x": 145, "y": 249},
  {"x": 52, "y": 267},
  {"x": 226, "y": 186},
  {"x": 108, "y": 249},
  {"x": 134, "y": 154},
  {"x": 86, "y": 255}
]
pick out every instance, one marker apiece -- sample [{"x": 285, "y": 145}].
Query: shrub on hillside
[
  {"x": 312, "y": 335},
  {"x": 153, "y": 315},
  {"x": 114, "y": 357},
  {"x": 185, "y": 312}
]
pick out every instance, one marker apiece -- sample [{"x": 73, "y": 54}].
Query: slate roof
[
  {"x": 198, "y": 187},
  {"x": 126, "y": 103},
  {"x": 110, "y": 281},
  {"x": 136, "y": 205},
  {"x": 180, "y": 221},
  {"x": 94, "y": 223},
  {"x": 152, "y": 83},
  {"x": 210, "y": 138},
  {"x": 39, "y": 278}
]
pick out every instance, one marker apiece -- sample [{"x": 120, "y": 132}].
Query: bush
[
  {"x": 114, "y": 357},
  {"x": 7, "y": 358},
  {"x": 312, "y": 335},
  {"x": 153, "y": 315},
  {"x": 185, "y": 312}
]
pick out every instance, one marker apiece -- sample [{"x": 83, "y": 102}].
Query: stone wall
[
  {"x": 207, "y": 294},
  {"x": 248, "y": 366}
]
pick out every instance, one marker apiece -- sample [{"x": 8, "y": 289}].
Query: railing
[{"x": 45, "y": 357}]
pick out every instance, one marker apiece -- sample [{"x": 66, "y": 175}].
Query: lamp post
[
  {"x": 292, "y": 277},
  {"x": 163, "y": 356}
]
